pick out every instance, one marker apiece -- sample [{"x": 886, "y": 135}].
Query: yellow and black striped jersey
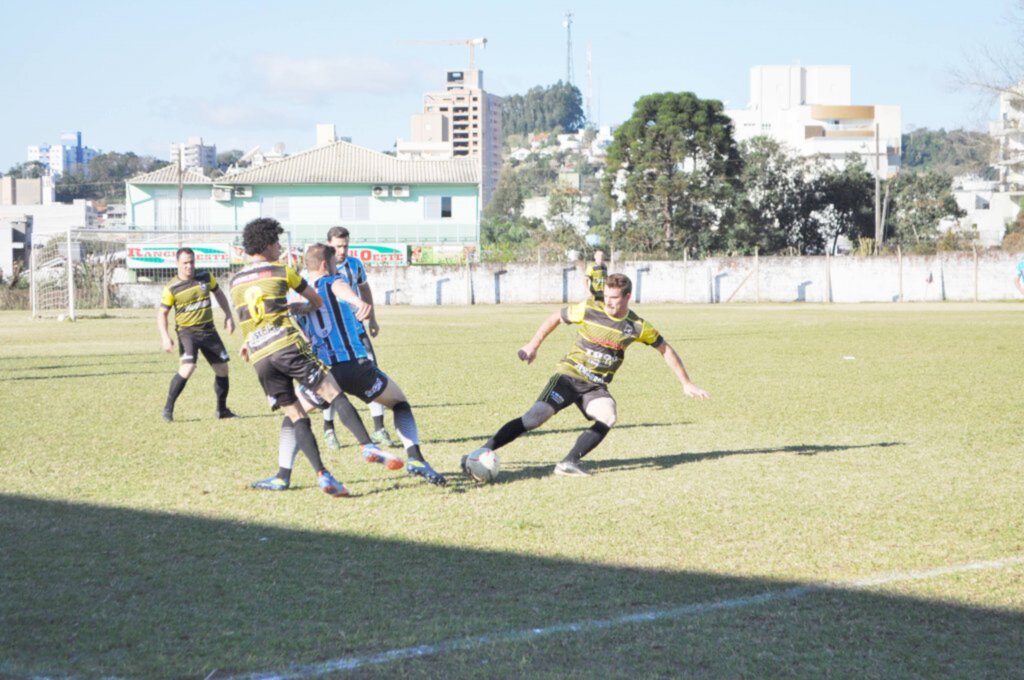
[
  {"x": 601, "y": 341},
  {"x": 191, "y": 300},
  {"x": 597, "y": 273},
  {"x": 259, "y": 295}
]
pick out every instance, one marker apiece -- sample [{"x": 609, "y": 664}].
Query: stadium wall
[{"x": 950, "y": 276}]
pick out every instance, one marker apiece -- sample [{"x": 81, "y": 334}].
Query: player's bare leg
[{"x": 603, "y": 412}]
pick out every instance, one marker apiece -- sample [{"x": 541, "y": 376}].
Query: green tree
[
  {"x": 225, "y": 159},
  {"x": 675, "y": 166},
  {"x": 774, "y": 206},
  {"x": 957, "y": 152},
  {"x": 507, "y": 199},
  {"x": 28, "y": 170},
  {"x": 841, "y": 203},
  {"x": 556, "y": 107},
  {"x": 919, "y": 202}
]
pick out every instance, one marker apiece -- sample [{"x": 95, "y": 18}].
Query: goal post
[{"x": 85, "y": 272}]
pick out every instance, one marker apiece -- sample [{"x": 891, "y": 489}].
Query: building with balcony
[
  {"x": 1008, "y": 132},
  {"x": 810, "y": 110},
  {"x": 59, "y": 159},
  {"x": 462, "y": 121},
  {"x": 194, "y": 154}
]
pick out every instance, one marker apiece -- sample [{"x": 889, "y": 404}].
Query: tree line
[{"x": 677, "y": 184}]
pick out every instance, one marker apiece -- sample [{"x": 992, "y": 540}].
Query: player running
[
  {"x": 275, "y": 347},
  {"x": 597, "y": 272},
  {"x": 605, "y": 330},
  {"x": 189, "y": 295},
  {"x": 335, "y": 332},
  {"x": 353, "y": 273}
]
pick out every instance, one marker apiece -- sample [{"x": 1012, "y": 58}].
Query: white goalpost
[{"x": 91, "y": 271}]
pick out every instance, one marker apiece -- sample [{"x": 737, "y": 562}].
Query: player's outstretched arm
[
  {"x": 676, "y": 366},
  {"x": 161, "y": 323},
  {"x": 222, "y": 300},
  {"x": 344, "y": 292},
  {"x": 367, "y": 294},
  {"x": 528, "y": 352},
  {"x": 313, "y": 298}
]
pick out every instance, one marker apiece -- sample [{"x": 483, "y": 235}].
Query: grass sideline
[{"x": 841, "y": 442}]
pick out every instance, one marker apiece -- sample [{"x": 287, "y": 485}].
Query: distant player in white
[
  {"x": 1019, "y": 280},
  {"x": 352, "y": 272}
]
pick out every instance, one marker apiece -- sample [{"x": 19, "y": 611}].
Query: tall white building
[
  {"x": 59, "y": 159},
  {"x": 1008, "y": 132},
  {"x": 194, "y": 154},
  {"x": 461, "y": 121},
  {"x": 810, "y": 109}
]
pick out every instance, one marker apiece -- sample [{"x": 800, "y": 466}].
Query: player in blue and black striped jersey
[
  {"x": 352, "y": 272},
  {"x": 335, "y": 334}
]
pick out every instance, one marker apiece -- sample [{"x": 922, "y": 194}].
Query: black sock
[
  {"x": 413, "y": 453},
  {"x": 378, "y": 422},
  {"x": 508, "y": 433},
  {"x": 587, "y": 441},
  {"x": 350, "y": 419},
  {"x": 220, "y": 388},
  {"x": 174, "y": 390},
  {"x": 306, "y": 442},
  {"x": 284, "y": 473}
]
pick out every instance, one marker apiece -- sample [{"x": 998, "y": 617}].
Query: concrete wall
[{"x": 953, "y": 277}]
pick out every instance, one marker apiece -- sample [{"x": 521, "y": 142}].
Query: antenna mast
[{"x": 568, "y": 46}]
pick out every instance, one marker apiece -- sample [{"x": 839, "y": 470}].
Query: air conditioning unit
[
  {"x": 243, "y": 192},
  {"x": 400, "y": 191},
  {"x": 221, "y": 193},
  {"x": 379, "y": 191}
]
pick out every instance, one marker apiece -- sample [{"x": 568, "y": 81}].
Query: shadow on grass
[
  {"x": 95, "y": 591},
  {"x": 596, "y": 464},
  {"x": 479, "y": 439}
]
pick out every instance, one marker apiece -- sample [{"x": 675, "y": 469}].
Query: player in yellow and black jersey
[
  {"x": 188, "y": 294},
  {"x": 278, "y": 352},
  {"x": 597, "y": 272},
  {"x": 604, "y": 331}
]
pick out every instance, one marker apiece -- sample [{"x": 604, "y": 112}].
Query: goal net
[{"x": 91, "y": 271}]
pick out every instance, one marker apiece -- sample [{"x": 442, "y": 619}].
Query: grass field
[{"x": 842, "y": 443}]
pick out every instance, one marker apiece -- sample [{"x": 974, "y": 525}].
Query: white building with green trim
[{"x": 379, "y": 198}]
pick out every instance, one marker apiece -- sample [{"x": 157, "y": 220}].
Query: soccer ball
[{"x": 482, "y": 465}]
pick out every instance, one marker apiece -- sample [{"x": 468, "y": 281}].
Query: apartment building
[
  {"x": 462, "y": 121},
  {"x": 67, "y": 156},
  {"x": 193, "y": 154},
  {"x": 810, "y": 109}
]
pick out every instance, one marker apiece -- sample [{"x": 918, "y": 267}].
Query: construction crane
[{"x": 472, "y": 42}]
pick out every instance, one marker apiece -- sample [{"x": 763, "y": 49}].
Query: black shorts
[
  {"x": 203, "y": 339},
  {"x": 563, "y": 390},
  {"x": 277, "y": 371},
  {"x": 360, "y": 378}
]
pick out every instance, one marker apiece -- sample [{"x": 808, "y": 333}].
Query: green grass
[{"x": 841, "y": 442}]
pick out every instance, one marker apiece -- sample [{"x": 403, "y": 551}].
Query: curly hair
[{"x": 260, "y": 234}]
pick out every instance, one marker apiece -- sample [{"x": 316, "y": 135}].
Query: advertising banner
[
  {"x": 161, "y": 255},
  {"x": 381, "y": 256}
]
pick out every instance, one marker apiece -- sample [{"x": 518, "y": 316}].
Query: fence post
[
  {"x": 71, "y": 281},
  {"x": 899, "y": 259},
  {"x": 828, "y": 277},
  {"x": 33, "y": 288},
  {"x": 975, "y": 249},
  {"x": 757, "y": 277}
]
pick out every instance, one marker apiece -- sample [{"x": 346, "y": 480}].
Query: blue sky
[{"x": 135, "y": 76}]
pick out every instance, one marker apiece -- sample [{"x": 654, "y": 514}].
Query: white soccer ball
[{"x": 482, "y": 465}]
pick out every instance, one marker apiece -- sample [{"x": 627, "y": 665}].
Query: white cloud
[{"x": 316, "y": 76}]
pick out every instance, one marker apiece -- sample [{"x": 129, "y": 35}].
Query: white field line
[{"x": 467, "y": 643}]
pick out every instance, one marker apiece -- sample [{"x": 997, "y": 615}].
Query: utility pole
[
  {"x": 590, "y": 86},
  {"x": 567, "y": 24},
  {"x": 878, "y": 192},
  {"x": 181, "y": 183}
]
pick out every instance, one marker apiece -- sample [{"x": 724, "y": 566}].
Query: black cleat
[
  {"x": 168, "y": 415},
  {"x": 226, "y": 413},
  {"x": 568, "y": 468}
]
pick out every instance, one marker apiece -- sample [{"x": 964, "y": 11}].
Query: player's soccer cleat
[
  {"x": 331, "y": 439},
  {"x": 568, "y": 468},
  {"x": 168, "y": 415},
  {"x": 382, "y": 438},
  {"x": 274, "y": 483},
  {"x": 421, "y": 468},
  {"x": 374, "y": 454},
  {"x": 330, "y": 485},
  {"x": 225, "y": 413}
]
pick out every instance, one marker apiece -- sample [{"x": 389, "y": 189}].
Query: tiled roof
[
  {"x": 344, "y": 163},
  {"x": 169, "y": 175}
]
